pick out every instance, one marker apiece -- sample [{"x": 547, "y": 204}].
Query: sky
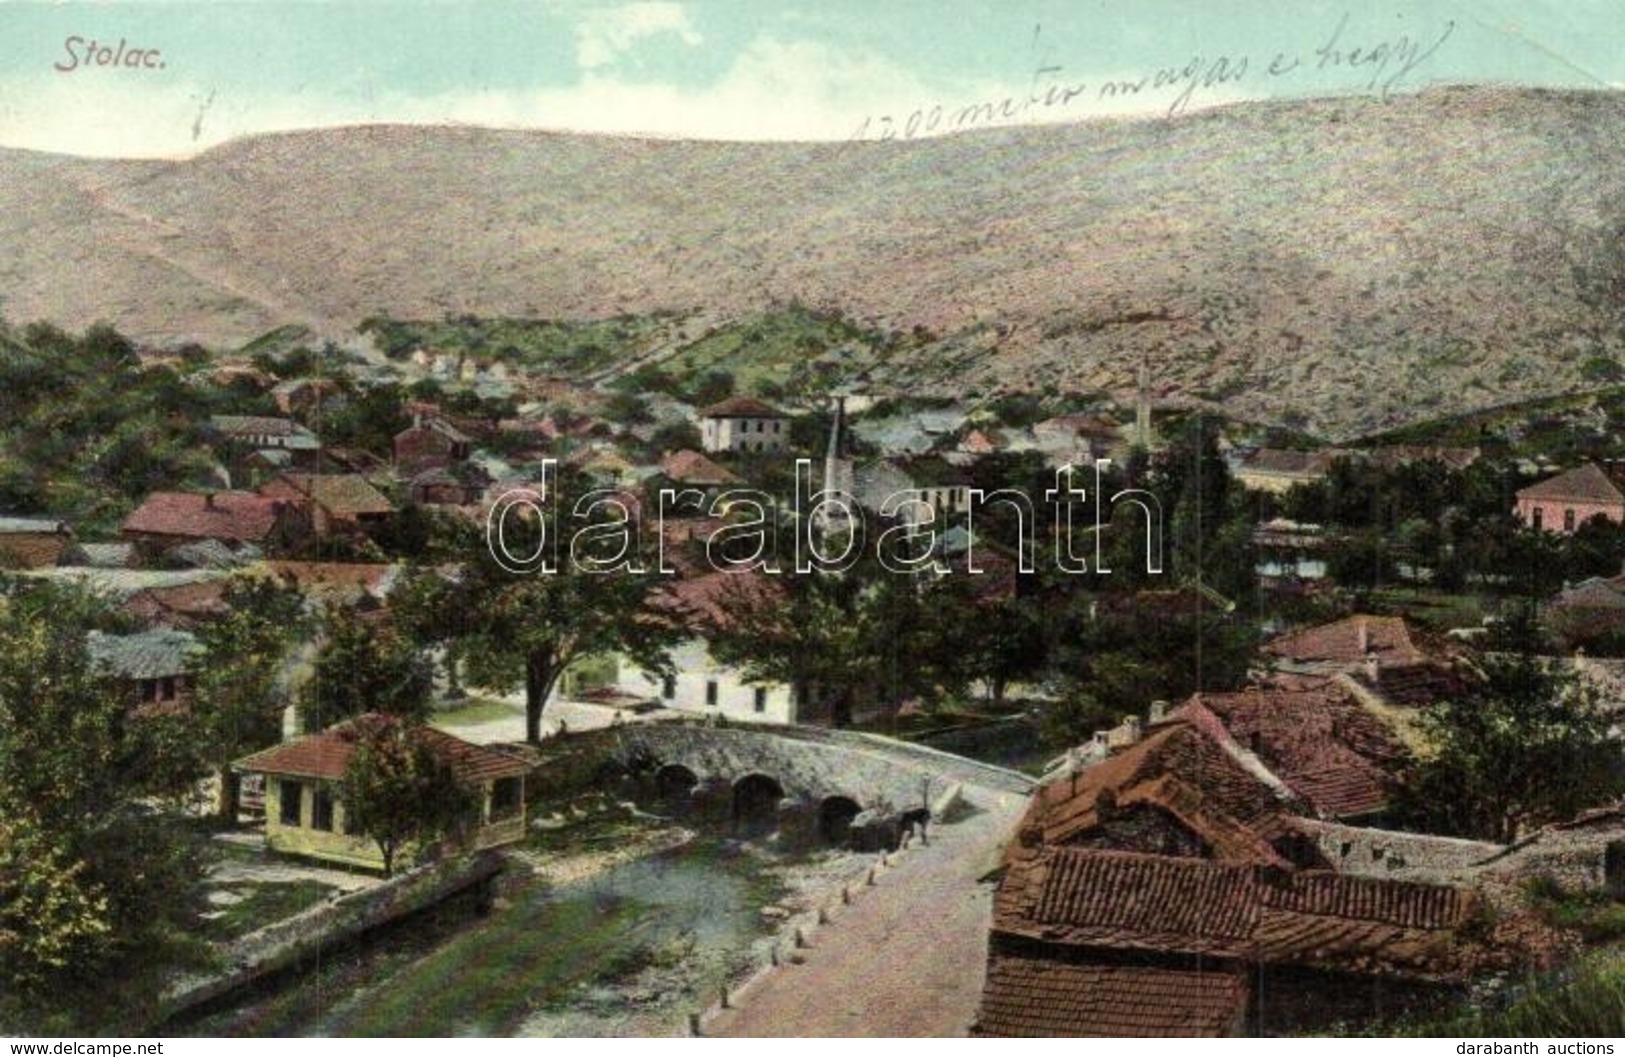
[{"x": 168, "y": 78}]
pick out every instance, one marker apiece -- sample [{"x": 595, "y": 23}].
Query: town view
[{"x": 1157, "y": 576}]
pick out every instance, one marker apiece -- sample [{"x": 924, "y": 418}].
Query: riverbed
[{"x": 620, "y": 945}]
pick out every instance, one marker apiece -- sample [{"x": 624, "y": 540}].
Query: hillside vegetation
[{"x": 1345, "y": 265}]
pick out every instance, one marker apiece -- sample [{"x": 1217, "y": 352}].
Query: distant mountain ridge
[{"x": 1345, "y": 264}]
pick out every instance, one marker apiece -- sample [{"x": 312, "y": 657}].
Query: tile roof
[
  {"x": 326, "y": 755},
  {"x": 180, "y": 605},
  {"x": 1043, "y": 997},
  {"x": 253, "y": 426},
  {"x": 1291, "y": 463},
  {"x": 1318, "y": 738},
  {"x": 236, "y": 516},
  {"x": 1128, "y": 901},
  {"x": 712, "y": 601},
  {"x": 742, "y": 407},
  {"x": 1192, "y": 774},
  {"x": 1348, "y": 641},
  {"x": 144, "y": 655},
  {"x": 344, "y": 494},
  {"x": 690, "y": 467},
  {"x": 1588, "y": 483}
]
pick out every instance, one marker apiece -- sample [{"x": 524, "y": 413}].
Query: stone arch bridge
[{"x": 807, "y": 783}]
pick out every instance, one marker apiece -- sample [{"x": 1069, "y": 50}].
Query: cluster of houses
[{"x": 1223, "y": 867}]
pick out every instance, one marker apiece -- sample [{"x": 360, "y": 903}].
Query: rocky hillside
[{"x": 1346, "y": 264}]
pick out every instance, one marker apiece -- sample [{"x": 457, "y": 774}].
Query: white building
[
  {"x": 701, "y": 684},
  {"x": 705, "y": 687},
  {"x": 742, "y": 423}
]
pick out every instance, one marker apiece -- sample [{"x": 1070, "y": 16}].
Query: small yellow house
[{"x": 304, "y": 812}]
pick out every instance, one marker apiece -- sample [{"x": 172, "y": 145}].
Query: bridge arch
[
  {"x": 756, "y": 799},
  {"x": 674, "y": 783},
  {"x": 835, "y": 815}
]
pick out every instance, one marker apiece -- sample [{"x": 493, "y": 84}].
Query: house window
[
  {"x": 321, "y": 811},
  {"x": 760, "y": 703},
  {"x": 1568, "y": 521},
  {"x": 710, "y": 691},
  {"x": 292, "y": 796},
  {"x": 1536, "y": 517},
  {"x": 668, "y": 687},
  {"x": 506, "y": 798},
  {"x": 166, "y": 690},
  {"x": 776, "y": 426}
]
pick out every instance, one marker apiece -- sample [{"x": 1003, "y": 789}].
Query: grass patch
[
  {"x": 1583, "y": 1000},
  {"x": 564, "y": 347},
  {"x": 474, "y": 711},
  {"x": 1439, "y": 610},
  {"x": 791, "y": 350},
  {"x": 263, "y": 903}
]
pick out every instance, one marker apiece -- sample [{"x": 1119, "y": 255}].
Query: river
[{"x": 626, "y": 951}]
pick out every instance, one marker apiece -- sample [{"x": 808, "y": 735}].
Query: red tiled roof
[
  {"x": 236, "y": 516},
  {"x": 1089, "y": 898},
  {"x": 326, "y": 755},
  {"x": 1317, "y": 738},
  {"x": 1348, "y": 641},
  {"x": 742, "y": 407},
  {"x": 1588, "y": 483},
  {"x": 1179, "y": 769},
  {"x": 713, "y": 600},
  {"x": 182, "y": 605},
  {"x": 690, "y": 467},
  {"x": 1041, "y": 997}
]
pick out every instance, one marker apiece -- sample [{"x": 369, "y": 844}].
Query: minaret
[
  {"x": 1142, "y": 406},
  {"x": 838, "y": 477}
]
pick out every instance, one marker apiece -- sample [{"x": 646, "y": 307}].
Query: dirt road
[{"x": 905, "y": 958}]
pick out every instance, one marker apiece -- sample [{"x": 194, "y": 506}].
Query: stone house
[
  {"x": 430, "y": 442},
  {"x": 304, "y": 809},
  {"x": 1278, "y": 470},
  {"x": 690, "y": 469},
  {"x": 701, "y": 684},
  {"x": 743, "y": 424},
  {"x": 167, "y": 520},
  {"x": 1567, "y": 501},
  {"x": 33, "y": 543},
  {"x": 339, "y": 502},
  {"x": 152, "y": 666},
  {"x": 1179, "y": 887}
]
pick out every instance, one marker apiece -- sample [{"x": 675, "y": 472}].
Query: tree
[
  {"x": 1524, "y": 745},
  {"x": 526, "y": 628},
  {"x": 98, "y": 890},
  {"x": 238, "y": 685},
  {"x": 397, "y": 790},
  {"x": 364, "y": 666}
]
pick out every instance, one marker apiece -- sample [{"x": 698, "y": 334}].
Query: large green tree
[
  {"x": 1523, "y": 745},
  {"x": 99, "y": 885},
  {"x": 239, "y": 685},
  {"x": 397, "y": 790},
  {"x": 361, "y": 666},
  {"x": 520, "y": 627}
]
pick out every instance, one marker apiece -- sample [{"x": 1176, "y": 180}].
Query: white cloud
[{"x": 604, "y": 35}]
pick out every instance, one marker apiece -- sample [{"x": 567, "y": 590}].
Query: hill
[{"x": 1345, "y": 265}]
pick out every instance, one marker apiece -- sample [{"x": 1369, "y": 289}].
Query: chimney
[
  {"x": 1159, "y": 712},
  {"x": 208, "y": 501}
]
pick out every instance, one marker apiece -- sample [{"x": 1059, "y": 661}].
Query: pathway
[{"x": 906, "y": 958}]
